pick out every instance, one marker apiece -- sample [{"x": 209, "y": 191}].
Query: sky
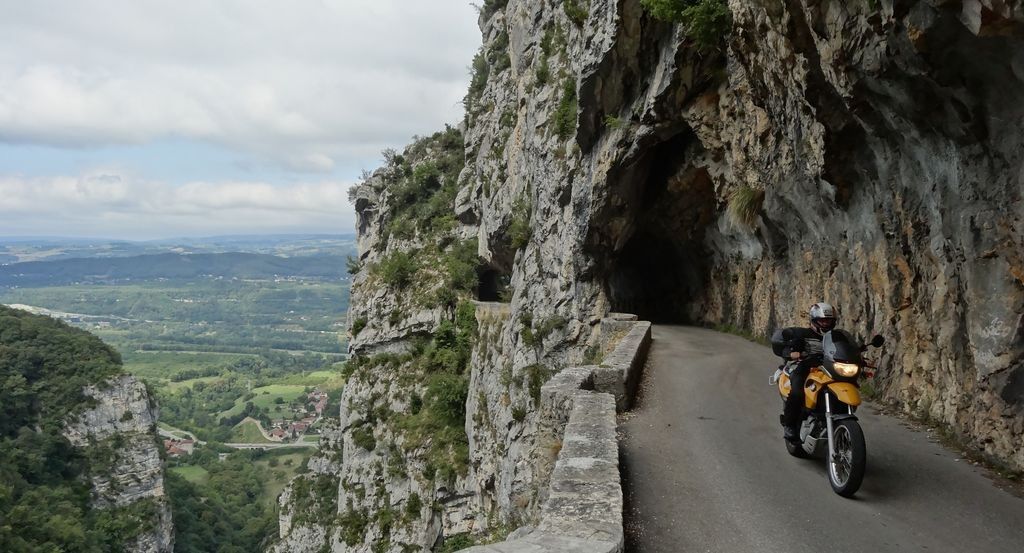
[{"x": 142, "y": 119}]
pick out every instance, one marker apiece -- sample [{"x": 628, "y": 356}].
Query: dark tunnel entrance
[
  {"x": 648, "y": 280},
  {"x": 488, "y": 285},
  {"x": 492, "y": 284},
  {"x": 660, "y": 270}
]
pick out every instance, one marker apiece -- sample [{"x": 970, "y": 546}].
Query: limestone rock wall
[
  {"x": 129, "y": 473},
  {"x": 889, "y": 150},
  {"x": 864, "y": 153},
  {"x": 868, "y": 154}
]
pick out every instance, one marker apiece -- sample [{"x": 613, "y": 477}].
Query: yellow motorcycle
[{"x": 831, "y": 397}]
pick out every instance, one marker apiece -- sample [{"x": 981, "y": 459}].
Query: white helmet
[{"x": 823, "y": 317}]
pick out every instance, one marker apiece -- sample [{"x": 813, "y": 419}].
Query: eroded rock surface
[
  {"x": 864, "y": 153},
  {"x": 129, "y": 474}
]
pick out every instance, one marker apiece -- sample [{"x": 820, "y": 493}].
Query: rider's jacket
[{"x": 795, "y": 338}]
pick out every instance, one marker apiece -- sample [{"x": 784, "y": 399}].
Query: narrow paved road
[
  {"x": 273, "y": 445},
  {"x": 706, "y": 469}
]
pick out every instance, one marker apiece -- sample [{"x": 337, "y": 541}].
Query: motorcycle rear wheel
[{"x": 846, "y": 467}]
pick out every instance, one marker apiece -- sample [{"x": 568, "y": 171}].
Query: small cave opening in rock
[
  {"x": 660, "y": 270},
  {"x": 490, "y": 284}
]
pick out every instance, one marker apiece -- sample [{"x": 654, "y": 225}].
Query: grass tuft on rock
[{"x": 745, "y": 206}]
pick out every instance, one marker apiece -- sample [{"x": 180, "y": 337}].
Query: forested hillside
[{"x": 45, "y": 492}]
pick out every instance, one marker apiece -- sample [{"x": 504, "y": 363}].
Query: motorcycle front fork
[
  {"x": 828, "y": 422},
  {"x": 828, "y": 426}
]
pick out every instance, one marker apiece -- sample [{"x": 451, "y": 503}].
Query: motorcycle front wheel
[{"x": 849, "y": 459}]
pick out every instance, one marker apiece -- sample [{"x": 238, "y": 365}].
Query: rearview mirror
[{"x": 877, "y": 341}]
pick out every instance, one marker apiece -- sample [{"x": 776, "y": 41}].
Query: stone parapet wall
[
  {"x": 622, "y": 369},
  {"x": 582, "y": 510}
]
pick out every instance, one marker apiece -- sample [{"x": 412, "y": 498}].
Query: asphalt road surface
[{"x": 706, "y": 469}]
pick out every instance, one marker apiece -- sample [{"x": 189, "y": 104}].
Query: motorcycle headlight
[{"x": 848, "y": 370}]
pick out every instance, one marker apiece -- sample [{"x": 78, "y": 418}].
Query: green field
[
  {"x": 192, "y": 473},
  {"x": 247, "y": 432},
  {"x": 165, "y": 364},
  {"x": 287, "y": 466},
  {"x": 265, "y": 396},
  {"x": 232, "y": 316},
  {"x": 177, "y": 386},
  {"x": 323, "y": 379}
]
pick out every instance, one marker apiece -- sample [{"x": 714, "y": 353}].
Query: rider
[{"x": 803, "y": 344}]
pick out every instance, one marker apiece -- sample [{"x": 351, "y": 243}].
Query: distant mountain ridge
[
  {"x": 170, "y": 266},
  {"x": 27, "y": 249}
]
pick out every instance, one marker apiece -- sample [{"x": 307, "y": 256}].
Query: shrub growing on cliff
[
  {"x": 706, "y": 21},
  {"x": 497, "y": 52},
  {"x": 519, "y": 231},
  {"x": 479, "y": 72},
  {"x": 576, "y": 10},
  {"x": 397, "y": 269},
  {"x": 543, "y": 71},
  {"x": 490, "y": 7},
  {"x": 456, "y": 542},
  {"x": 353, "y": 265},
  {"x": 447, "y": 395},
  {"x": 359, "y": 324},
  {"x": 459, "y": 265},
  {"x": 363, "y": 437},
  {"x": 564, "y": 118},
  {"x": 536, "y": 376},
  {"x": 353, "y": 525}
]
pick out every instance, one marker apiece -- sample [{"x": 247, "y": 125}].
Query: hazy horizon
[{"x": 9, "y": 238}]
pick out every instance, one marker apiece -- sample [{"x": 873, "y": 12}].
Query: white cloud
[
  {"x": 119, "y": 205},
  {"x": 305, "y": 83}
]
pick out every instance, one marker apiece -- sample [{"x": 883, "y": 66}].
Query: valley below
[{"x": 245, "y": 365}]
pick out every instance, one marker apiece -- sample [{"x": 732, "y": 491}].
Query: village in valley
[
  {"x": 282, "y": 430},
  {"x": 298, "y": 431}
]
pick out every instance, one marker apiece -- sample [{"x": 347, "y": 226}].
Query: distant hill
[
  {"x": 26, "y": 249},
  {"x": 170, "y": 266}
]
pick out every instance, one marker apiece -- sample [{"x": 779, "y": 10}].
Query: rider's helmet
[{"x": 823, "y": 317}]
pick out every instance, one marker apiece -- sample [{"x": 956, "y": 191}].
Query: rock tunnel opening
[
  {"x": 490, "y": 284},
  {"x": 648, "y": 281},
  {"x": 659, "y": 272}
]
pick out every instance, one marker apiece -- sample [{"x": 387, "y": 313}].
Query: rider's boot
[{"x": 791, "y": 419}]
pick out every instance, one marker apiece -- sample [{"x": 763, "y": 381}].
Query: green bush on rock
[{"x": 706, "y": 21}]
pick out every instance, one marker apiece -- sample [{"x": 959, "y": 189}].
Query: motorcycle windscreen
[{"x": 838, "y": 345}]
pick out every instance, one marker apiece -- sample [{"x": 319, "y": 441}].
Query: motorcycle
[{"x": 831, "y": 397}]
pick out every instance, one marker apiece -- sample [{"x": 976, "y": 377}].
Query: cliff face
[
  {"x": 864, "y": 153},
  {"x": 869, "y": 156},
  {"x": 119, "y": 434},
  {"x": 888, "y": 145}
]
